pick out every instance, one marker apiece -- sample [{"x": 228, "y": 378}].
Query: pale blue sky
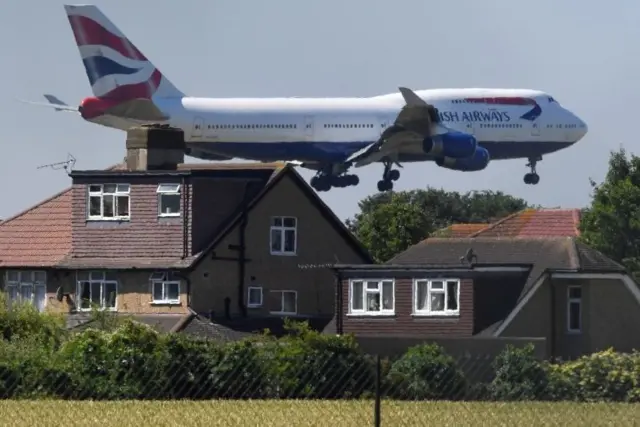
[{"x": 582, "y": 52}]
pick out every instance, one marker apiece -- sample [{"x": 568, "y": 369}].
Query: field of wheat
[{"x": 311, "y": 413}]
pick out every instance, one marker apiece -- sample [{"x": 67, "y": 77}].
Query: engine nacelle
[
  {"x": 478, "y": 161},
  {"x": 451, "y": 144}
]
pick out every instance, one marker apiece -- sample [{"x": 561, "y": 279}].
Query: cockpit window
[{"x": 551, "y": 99}]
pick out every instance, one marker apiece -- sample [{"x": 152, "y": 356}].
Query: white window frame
[
  {"x": 429, "y": 282},
  {"x": 570, "y": 302},
  {"x": 169, "y": 189},
  {"x": 25, "y": 279},
  {"x": 120, "y": 191},
  {"x": 260, "y": 302},
  {"x": 95, "y": 276},
  {"x": 282, "y": 292},
  {"x": 380, "y": 289},
  {"x": 164, "y": 279},
  {"x": 283, "y": 231}
]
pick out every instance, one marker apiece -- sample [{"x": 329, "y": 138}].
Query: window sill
[
  {"x": 164, "y": 303},
  {"x": 278, "y": 313},
  {"x": 169, "y": 216},
  {"x": 436, "y": 315},
  {"x": 376, "y": 315},
  {"x": 89, "y": 310},
  {"x": 254, "y": 305},
  {"x": 574, "y": 332},
  {"x": 284, "y": 254},
  {"x": 109, "y": 219}
]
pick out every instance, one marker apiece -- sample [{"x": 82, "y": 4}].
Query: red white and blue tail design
[{"x": 116, "y": 69}]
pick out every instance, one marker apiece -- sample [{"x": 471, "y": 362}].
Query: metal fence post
[{"x": 376, "y": 409}]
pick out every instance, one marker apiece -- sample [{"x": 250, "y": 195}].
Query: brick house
[
  {"x": 173, "y": 244},
  {"x": 476, "y": 291}
]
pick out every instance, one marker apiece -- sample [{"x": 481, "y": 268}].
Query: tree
[
  {"x": 390, "y": 222},
  {"x": 611, "y": 224}
]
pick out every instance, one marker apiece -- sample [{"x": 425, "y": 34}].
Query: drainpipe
[
  {"x": 185, "y": 217},
  {"x": 242, "y": 252}
]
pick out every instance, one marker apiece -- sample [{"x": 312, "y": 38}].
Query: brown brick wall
[
  {"x": 318, "y": 242},
  {"x": 404, "y": 322},
  {"x": 145, "y": 235}
]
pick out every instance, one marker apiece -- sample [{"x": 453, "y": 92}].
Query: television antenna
[{"x": 67, "y": 165}]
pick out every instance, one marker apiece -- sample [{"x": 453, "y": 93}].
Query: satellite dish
[{"x": 59, "y": 294}]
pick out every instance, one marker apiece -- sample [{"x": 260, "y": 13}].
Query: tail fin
[{"x": 115, "y": 67}]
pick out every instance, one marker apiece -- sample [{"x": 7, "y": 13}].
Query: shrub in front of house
[
  {"x": 425, "y": 371},
  {"x": 519, "y": 375},
  {"x": 307, "y": 364}
]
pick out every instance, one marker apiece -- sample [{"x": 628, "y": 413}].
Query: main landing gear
[
  {"x": 532, "y": 178},
  {"x": 388, "y": 177},
  {"x": 324, "y": 182}
]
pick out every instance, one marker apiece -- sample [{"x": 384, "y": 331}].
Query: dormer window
[
  {"x": 168, "y": 200},
  {"x": 109, "y": 202}
]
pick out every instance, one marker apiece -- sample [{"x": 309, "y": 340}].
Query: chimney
[{"x": 154, "y": 148}]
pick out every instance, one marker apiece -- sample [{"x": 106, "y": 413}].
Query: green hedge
[{"x": 127, "y": 360}]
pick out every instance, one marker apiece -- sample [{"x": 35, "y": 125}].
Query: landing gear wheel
[
  {"x": 385, "y": 185},
  {"x": 531, "y": 178},
  {"x": 321, "y": 183},
  {"x": 394, "y": 175}
]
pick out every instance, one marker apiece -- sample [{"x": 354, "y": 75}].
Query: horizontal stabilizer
[{"x": 57, "y": 106}]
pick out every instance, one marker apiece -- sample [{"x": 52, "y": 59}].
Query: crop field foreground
[{"x": 292, "y": 413}]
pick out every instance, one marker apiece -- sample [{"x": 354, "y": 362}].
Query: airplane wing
[
  {"x": 54, "y": 103},
  {"x": 417, "y": 119}
]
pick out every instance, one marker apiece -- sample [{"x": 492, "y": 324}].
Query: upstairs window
[
  {"x": 109, "y": 201},
  {"x": 439, "y": 297},
  {"x": 283, "y": 238},
  {"x": 27, "y": 287},
  {"x": 97, "y": 289},
  {"x": 371, "y": 297},
  {"x": 168, "y": 200},
  {"x": 165, "y": 289}
]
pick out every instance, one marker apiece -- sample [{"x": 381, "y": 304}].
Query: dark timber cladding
[{"x": 403, "y": 321}]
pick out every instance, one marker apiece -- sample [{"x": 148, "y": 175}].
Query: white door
[
  {"x": 308, "y": 127},
  {"x": 198, "y": 124},
  {"x": 469, "y": 128},
  {"x": 535, "y": 128}
]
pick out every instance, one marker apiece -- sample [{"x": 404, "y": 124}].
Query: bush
[
  {"x": 308, "y": 364},
  {"x": 426, "y": 372},
  {"x": 519, "y": 375},
  {"x": 607, "y": 375}
]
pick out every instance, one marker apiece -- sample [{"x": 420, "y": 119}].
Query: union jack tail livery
[{"x": 116, "y": 69}]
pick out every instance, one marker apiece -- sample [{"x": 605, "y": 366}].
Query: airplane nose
[{"x": 582, "y": 127}]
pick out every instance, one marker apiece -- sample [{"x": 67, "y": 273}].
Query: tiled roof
[
  {"x": 39, "y": 236},
  {"x": 459, "y": 230},
  {"x": 535, "y": 223}
]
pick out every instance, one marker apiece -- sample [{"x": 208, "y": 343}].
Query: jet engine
[
  {"x": 451, "y": 144},
  {"x": 478, "y": 161}
]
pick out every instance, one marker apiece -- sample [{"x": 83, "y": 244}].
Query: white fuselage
[{"x": 504, "y": 121}]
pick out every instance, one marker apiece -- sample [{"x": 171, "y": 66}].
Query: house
[
  {"x": 166, "y": 241},
  {"x": 483, "y": 292}
]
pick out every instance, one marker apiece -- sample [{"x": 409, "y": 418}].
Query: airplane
[{"x": 458, "y": 129}]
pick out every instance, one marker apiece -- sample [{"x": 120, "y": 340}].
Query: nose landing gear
[{"x": 532, "y": 178}]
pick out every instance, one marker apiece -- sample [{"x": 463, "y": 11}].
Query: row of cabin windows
[
  {"x": 499, "y": 125},
  {"x": 348, "y": 126},
  {"x": 113, "y": 201},
  {"x": 253, "y": 126},
  {"x": 561, "y": 126}
]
